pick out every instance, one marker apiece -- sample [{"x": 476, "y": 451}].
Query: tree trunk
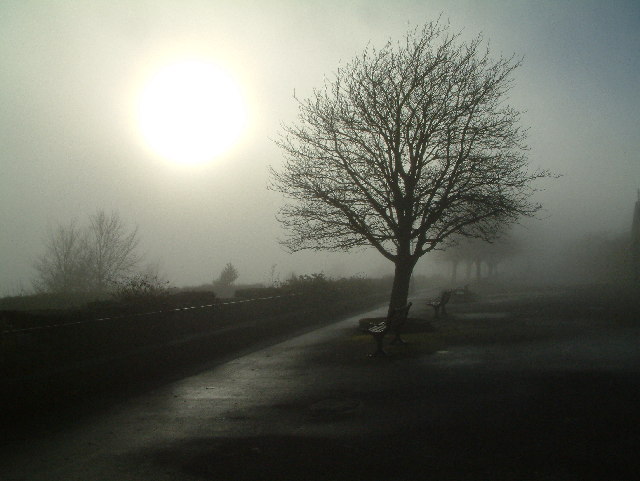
[
  {"x": 454, "y": 271},
  {"x": 493, "y": 269},
  {"x": 401, "y": 282},
  {"x": 478, "y": 269}
]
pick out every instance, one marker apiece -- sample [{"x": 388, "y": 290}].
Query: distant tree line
[{"x": 472, "y": 253}]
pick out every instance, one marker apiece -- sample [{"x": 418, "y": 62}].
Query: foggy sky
[{"x": 68, "y": 143}]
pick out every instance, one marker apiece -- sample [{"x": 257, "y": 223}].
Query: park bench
[
  {"x": 440, "y": 303},
  {"x": 461, "y": 291},
  {"x": 394, "y": 323}
]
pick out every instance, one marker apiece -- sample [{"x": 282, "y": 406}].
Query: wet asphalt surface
[{"x": 524, "y": 388}]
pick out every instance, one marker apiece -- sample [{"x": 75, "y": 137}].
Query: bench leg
[
  {"x": 379, "y": 350},
  {"x": 437, "y": 311},
  {"x": 398, "y": 339}
]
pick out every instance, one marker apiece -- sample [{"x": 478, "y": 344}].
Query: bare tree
[
  {"x": 87, "y": 259},
  {"x": 111, "y": 249},
  {"x": 62, "y": 267},
  {"x": 403, "y": 148}
]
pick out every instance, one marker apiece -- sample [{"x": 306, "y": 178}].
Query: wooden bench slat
[{"x": 378, "y": 328}]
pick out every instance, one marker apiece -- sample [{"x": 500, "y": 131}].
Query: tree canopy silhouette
[
  {"x": 228, "y": 275},
  {"x": 403, "y": 148}
]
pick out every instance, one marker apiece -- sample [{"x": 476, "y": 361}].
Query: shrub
[
  {"x": 254, "y": 292},
  {"x": 309, "y": 284},
  {"x": 140, "y": 287}
]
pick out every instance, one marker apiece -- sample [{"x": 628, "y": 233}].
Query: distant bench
[
  {"x": 440, "y": 303},
  {"x": 461, "y": 291},
  {"x": 394, "y": 322}
]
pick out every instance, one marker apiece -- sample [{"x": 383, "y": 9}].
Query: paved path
[{"x": 315, "y": 407}]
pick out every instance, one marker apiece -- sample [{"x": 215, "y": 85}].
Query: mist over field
[
  {"x": 70, "y": 146},
  {"x": 304, "y": 239}
]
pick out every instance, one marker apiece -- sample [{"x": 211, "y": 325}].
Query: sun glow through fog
[{"x": 191, "y": 112}]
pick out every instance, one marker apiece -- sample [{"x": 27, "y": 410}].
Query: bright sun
[{"x": 190, "y": 112}]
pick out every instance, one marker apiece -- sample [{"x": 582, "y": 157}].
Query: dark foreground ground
[{"x": 535, "y": 386}]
